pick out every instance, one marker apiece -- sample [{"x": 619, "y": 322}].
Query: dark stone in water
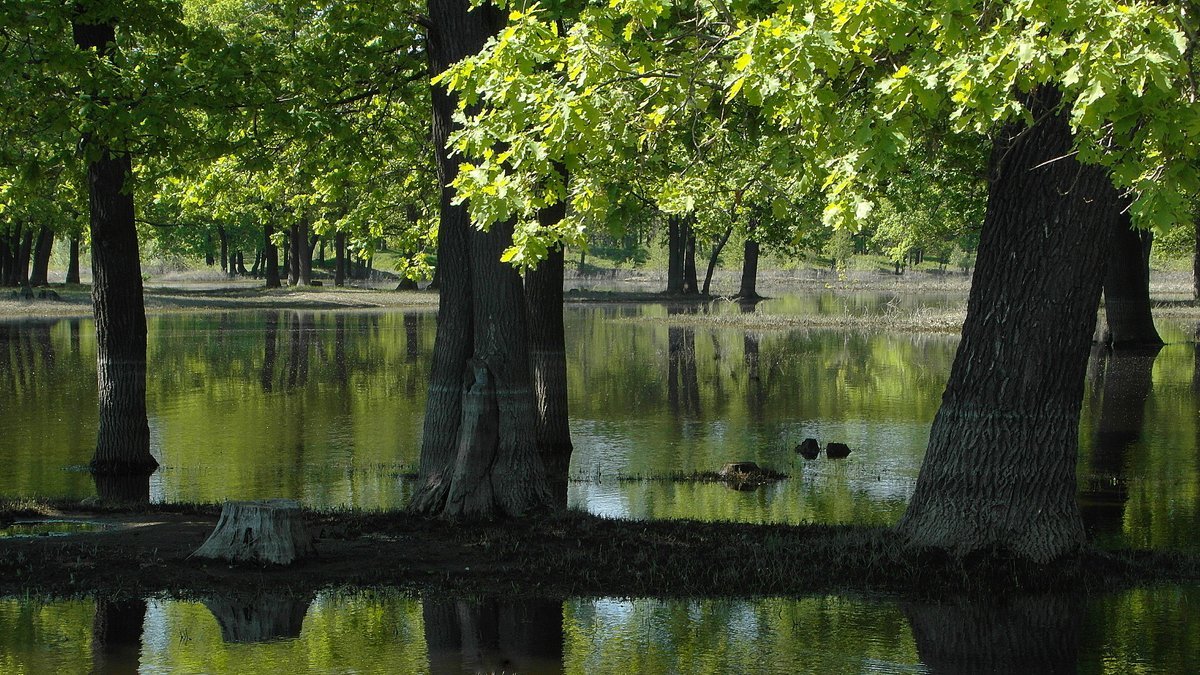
[
  {"x": 837, "y": 450},
  {"x": 808, "y": 448}
]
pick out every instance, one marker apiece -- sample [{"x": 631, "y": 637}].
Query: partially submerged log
[{"x": 269, "y": 531}]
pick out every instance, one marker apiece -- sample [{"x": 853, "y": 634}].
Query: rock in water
[
  {"x": 837, "y": 450},
  {"x": 808, "y": 448},
  {"x": 269, "y": 531}
]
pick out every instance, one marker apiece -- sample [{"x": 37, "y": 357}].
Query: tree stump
[{"x": 270, "y": 531}]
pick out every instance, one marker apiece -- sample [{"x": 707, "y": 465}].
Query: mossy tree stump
[{"x": 269, "y": 531}]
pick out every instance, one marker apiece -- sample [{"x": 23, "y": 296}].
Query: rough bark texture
[
  {"x": 999, "y": 473},
  {"x": 295, "y": 251},
  {"x": 479, "y": 453},
  {"x": 267, "y": 531},
  {"x": 123, "y": 439},
  {"x": 1127, "y": 286},
  {"x": 548, "y": 366},
  {"x": 39, "y": 273}
]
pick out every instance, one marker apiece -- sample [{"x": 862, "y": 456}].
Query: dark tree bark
[
  {"x": 225, "y": 266},
  {"x": 1127, "y": 286},
  {"x": 479, "y": 455},
  {"x": 690, "y": 287},
  {"x": 241, "y": 263},
  {"x": 209, "y": 260},
  {"x": 712, "y": 260},
  {"x": 73, "y": 261},
  {"x": 5, "y": 258},
  {"x": 308, "y": 244},
  {"x": 748, "y": 289},
  {"x": 123, "y": 439},
  {"x": 339, "y": 260},
  {"x": 40, "y": 273},
  {"x": 24, "y": 253},
  {"x": 296, "y": 239},
  {"x": 1196, "y": 262},
  {"x": 548, "y": 364},
  {"x": 676, "y": 248},
  {"x": 271, "y": 257},
  {"x": 999, "y": 473}
]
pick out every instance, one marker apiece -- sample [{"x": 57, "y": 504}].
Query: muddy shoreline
[{"x": 146, "y": 550}]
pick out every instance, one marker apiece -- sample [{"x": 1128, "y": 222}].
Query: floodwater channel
[{"x": 326, "y": 408}]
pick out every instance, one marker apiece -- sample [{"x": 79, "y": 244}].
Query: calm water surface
[{"x": 327, "y": 408}]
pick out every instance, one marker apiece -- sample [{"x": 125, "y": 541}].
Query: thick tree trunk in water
[
  {"x": 73, "y": 261},
  {"x": 479, "y": 454},
  {"x": 1127, "y": 286},
  {"x": 123, "y": 439},
  {"x": 999, "y": 474},
  {"x": 548, "y": 365},
  {"x": 690, "y": 287},
  {"x": 271, "y": 258},
  {"x": 339, "y": 261},
  {"x": 676, "y": 247},
  {"x": 39, "y": 275},
  {"x": 712, "y": 260}
]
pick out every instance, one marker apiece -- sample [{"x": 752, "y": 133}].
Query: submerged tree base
[{"x": 552, "y": 555}]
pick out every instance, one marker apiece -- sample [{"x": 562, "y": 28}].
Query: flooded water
[{"x": 327, "y": 408}]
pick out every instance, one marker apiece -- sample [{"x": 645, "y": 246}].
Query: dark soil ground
[{"x": 146, "y": 550}]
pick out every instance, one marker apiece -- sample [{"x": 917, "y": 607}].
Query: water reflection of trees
[
  {"x": 117, "y": 635},
  {"x": 683, "y": 387},
  {"x": 1122, "y": 383},
  {"x": 491, "y": 635}
]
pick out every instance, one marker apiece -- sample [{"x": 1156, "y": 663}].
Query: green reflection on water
[
  {"x": 327, "y": 408},
  {"x": 1145, "y": 630}
]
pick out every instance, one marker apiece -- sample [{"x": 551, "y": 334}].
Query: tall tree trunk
[
  {"x": 479, "y": 455},
  {"x": 225, "y": 266},
  {"x": 999, "y": 473},
  {"x": 712, "y": 260},
  {"x": 5, "y": 258},
  {"x": 1196, "y": 261},
  {"x": 209, "y": 261},
  {"x": 123, "y": 439},
  {"x": 690, "y": 287},
  {"x": 296, "y": 239},
  {"x": 1127, "y": 285},
  {"x": 676, "y": 247},
  {"x": 73, "y": 261},
  {"x": 339, "y": 260},
  {"x": 24, "y": 253},
  {"x": 241, "y": 263},
  {"x": 40, "y": 274},
  {"x": 308, "y": 243},
  {"x": 548, "y": 363},
  {"x": 748, "y": 289},
  {"x": 271, "y": 257}
]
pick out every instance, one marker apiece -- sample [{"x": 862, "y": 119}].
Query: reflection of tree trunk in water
[
  {"x": 74, "y": 328},
  {"x": 548, "y": 364},
  {"x": 123, "y": 488},
  {"x": 117, "y": 635},
  {"x": 271, "y": 615},
  {"x": 40, "y": 333},
  {"x": 412, "y": 337},
  {"x": 683, "y": 393},
  {"x": 1126, "y": 385},
  {"x": 492, "y": 636},
  {"x": 339, "y": 350},
  {"x": 267, "y": 375},
  {"x": 297, "y": 367},
  {"x": 1023, "y": 635},
  {"x": 1127, "y": 320}
]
